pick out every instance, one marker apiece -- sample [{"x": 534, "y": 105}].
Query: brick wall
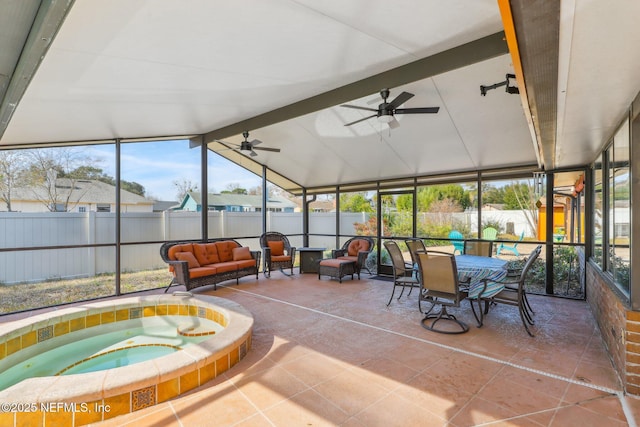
[{"x": 620, "y": 328}]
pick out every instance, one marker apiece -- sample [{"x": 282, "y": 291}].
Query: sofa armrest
[
  {"x": 256, "y": 255},
  {"x": 181, "y": 271}
]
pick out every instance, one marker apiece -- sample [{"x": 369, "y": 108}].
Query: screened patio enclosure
[{"x": 155, "y": 86}]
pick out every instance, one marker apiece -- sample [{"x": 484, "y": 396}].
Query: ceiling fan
[
  {"x": 387, "y": 110},
  {"x": 248, "y": 147}
]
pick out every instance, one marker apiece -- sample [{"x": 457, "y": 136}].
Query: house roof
[
  {"x": 245, "y": 200},
  {"x": 82, "y": 190},
  {"x": 85, "y": 71}
]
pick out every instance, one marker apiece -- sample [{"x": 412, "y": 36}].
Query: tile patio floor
[{"x": 331, "y": 354}]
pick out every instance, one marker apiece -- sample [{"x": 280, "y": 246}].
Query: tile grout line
[{"x": 448, "y": 347}]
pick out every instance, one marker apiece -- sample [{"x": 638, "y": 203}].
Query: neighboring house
[
  {"x": 164, "y": 205},
  {"x": 82, "y": 195},
  {"x": 319, "y": 206},
  {"x": 235, "y": 203}
]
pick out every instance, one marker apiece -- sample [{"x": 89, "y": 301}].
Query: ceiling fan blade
[
  {"x": 253, "y": 153},
  {"x": 255, "y": 142},
  {"x": 394, "y": 123},
  {"x": 275, "y": 150},
  {"x": 400, "y": 99},
  {"x": 361, "y": 120},
  {"x": 429, "y": 110},
  {"x": 360, "y": 108}
]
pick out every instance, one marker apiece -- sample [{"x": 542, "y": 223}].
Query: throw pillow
[
  {"x": 241, "y": 253},
  {"x": 277, "y": 247},
  {"x": 189, "y": 257}
]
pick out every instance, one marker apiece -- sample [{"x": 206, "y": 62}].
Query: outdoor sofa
[{"x": 195, "y": 264}]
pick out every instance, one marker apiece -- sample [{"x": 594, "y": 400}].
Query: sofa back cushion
[
  {"x": 277, "y": 247},
  {"x": 206, "y": 253},
  {"x": 187, "y": 247},
  {"x": 225, "y": 250},
  {"x": 189, "y": 257},
  {"x": 356, "y": 246},
  {"x": 241, "y": 253}
]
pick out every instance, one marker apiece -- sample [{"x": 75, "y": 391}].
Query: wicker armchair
[
  {"x": 278, "y": 252},
  {"x": 356, "y": 249}
]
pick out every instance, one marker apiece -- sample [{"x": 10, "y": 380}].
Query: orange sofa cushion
[
  {"x": 277, "y": 247},
  {"x": 223, "y": 267},
  {"x": 225, "y": 250},
  {"x": 356, "y": 246},
  {"x": 188, "y": 247},
  {"x": 245, "y": 263},
  {"x": 202, "y": 271},
  {"x": 206, "y": 253},
  {"x": 241, "y": 253},
  {"x": 189, "y": 257}
]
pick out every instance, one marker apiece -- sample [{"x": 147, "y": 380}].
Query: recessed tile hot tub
[{"x": 93, "y": 362}]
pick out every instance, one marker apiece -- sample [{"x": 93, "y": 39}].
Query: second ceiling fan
[
  {"x": 387, "y": 110},
  {"x": 247, "y": 146}
]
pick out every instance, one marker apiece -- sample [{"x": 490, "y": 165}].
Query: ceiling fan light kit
[{"x": 386, "y": 111}]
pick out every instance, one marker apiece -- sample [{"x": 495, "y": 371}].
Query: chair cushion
[
  {"x": 333, "y": 262},
  {"x": 241, "y": 253},
  {"x": 356, "y": 246},
  {"x": 189, "y": 257},
  {"x": 225, "y": 250},
  {"x": 206, "y": 253},
  {"x": 277, "y": 247},
  {"x": 280, "y": 258}
]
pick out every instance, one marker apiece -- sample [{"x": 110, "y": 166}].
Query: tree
[
  {"x": 183, "y": 187},
  {"x": 520, "y": 196},
  {"x": 46, "y": 166},
  {"x": 492, "y": 195},
  {"x": 234, "y": 188},
  {"x": 354, "y": 202},
  {"x": 12, "y": 167},
  {"x": 432, "y": 193},
  {"x": 94, "y": 173}
]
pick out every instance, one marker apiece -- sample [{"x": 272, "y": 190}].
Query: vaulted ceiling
[{"x": 208, "y": 70}]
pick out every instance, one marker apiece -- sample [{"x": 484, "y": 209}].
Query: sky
[{"x": 156, "y": 165}]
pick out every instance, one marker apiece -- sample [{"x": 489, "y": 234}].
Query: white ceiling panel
[{"x": 148, "y": 69}]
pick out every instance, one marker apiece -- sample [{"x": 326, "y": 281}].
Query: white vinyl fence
[{"x": 24, "y": 230}]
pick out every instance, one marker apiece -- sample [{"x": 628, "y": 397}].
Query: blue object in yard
[
  {"x": 510, "y": 248},
  {"x": 457, "y": 240}
]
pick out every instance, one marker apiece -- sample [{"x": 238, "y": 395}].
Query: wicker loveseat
[{"x": 196, "y": 264}]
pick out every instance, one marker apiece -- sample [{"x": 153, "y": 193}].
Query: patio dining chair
[
  {"x": 478, "y": 247},
  {"x": 415, "y": 245},
  {"x": 457, "y": 240},
  {"x": 278, "y": 253},
  {"x": 514, "y": 293},
  {"x": 401, "y": 270},
  {"x": 439, "y": 286}
]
